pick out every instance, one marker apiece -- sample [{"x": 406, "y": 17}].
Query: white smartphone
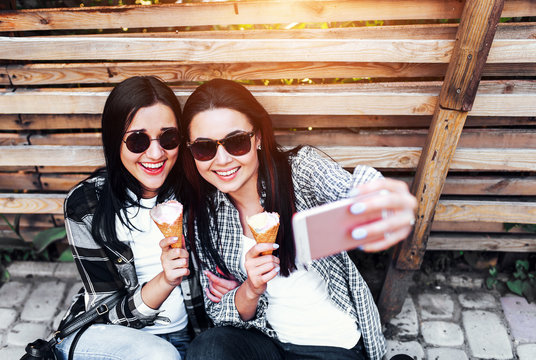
[{"x": 325, "y": 230}]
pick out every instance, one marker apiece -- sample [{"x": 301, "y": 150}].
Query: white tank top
[
  {"x": 301, "y": 311},
  {"x": 144, "y": 245}
]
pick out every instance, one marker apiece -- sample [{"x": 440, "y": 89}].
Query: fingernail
[
  {"x": 357, "y": 208},
  {"x": 276, "y": 246},
  {"x": 353, "y": 192},
  {"x": 359, "y": 234},
  {"x": 277, "y": 269}
]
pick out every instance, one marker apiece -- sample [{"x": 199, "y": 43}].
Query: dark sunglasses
[
  {"x": 236, "y": 145},
  {"x": 139, "y": 141}
]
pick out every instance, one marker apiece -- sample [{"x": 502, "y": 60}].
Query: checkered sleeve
[
  {"x": 102, "y": 276},
  {"x": 322, "y": 180},
  {"x": 227, "y": 239}
]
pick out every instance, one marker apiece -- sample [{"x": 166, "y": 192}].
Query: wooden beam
[
  {"x": 498, "y": 185},
  {"x": 454, "y": 185},
  {"x": 405, "y": 158},
  {"x": 251, "y": 50},
  {"x": 449, "y": 210},
  {"x": 473, "y": 42},
  {"x": 474, "y": 39},
  {"x": 494, "y": 98},
  {"x": 49, "y": 121},
  {"x": 472, "y": 227},
  {"x": 31, "y": 203},
  {"x": 60, "y": 182},
  {"x": 19, "y": 181},
  {"x": 90, "y": 73},
  {"x": 490, "y": 185},
  {"x": 250, "y": 12},
  {"x": 482, "y": 242},
  {"x": 470, "y": 138},
  {"x": 92, "y": 121},
  {"x": 488, "y": 211}
]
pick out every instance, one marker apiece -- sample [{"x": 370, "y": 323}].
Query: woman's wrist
[
  {"x": 246, "y": 301},
  {"x": 156, "y": 291}
]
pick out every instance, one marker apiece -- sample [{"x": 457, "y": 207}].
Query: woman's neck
[{"x": 247, "y": 204}]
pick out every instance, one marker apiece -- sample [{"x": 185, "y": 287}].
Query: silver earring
[{"x": 259, "y": 147}]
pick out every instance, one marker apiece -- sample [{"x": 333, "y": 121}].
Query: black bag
[{"x": 44, "y": 350}]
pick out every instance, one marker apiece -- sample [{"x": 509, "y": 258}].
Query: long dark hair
[
  {"x": 274, "y": 171},
  {"x": 121, "y": 106}
]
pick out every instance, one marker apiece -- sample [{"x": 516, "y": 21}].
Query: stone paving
[
  {"x": 456, "y": 318},
  {"x": 453, "y": 318}
]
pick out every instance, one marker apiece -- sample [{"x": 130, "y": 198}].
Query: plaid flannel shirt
[
  {"x": 316, "y": 181},
  {"x": 105, "y": 271}
]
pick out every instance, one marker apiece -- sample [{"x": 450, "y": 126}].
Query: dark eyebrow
[
  {"x": 145, "y": 130},
  {"x": 226, "y": 136},
  {"x": 136, "y": 130}
]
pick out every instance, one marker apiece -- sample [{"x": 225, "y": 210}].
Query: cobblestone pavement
[{"x": 453, "y": 319}]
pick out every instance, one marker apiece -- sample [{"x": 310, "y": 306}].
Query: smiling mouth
[
  {"x": 152, "y": 166},
  {"x": 228, "y": 172}
]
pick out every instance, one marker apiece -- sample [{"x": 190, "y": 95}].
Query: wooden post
[{"x": 475, "y": 34}]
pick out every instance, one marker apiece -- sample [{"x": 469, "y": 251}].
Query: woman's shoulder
[
  {"x": 303, "y": 153},
  {"x": 308, "y": 158},
  {"x": 83, "y": 198}
]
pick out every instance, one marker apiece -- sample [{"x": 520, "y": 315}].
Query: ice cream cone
[
  {"x": 169, "y": 220},
  {"x": 267, "y": 236}
]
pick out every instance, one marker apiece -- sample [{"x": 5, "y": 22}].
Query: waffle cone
[
  {"x": 269, "y": 236},
  {"x": 174, "y": 229}
]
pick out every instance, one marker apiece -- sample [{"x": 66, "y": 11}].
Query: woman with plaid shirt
[
  {"x": 116, "y": 246},
  {"x": 282, "y": 309}
]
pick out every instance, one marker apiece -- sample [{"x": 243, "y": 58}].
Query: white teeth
[
  {"x": 152, "y": 165},
  {"x": 227, "y": 173}
]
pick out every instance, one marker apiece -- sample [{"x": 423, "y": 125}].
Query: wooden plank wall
[{"x": 57, "y": 67}]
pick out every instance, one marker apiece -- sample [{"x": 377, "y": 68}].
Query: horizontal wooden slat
[
  {"x": 68, "y": 169},
  {"x": 499, "y": 185},
  {"x": 19, "y": 181},
  {"x": 92, "y": 121},
  {"x": 45, "y": 155},
  {"x": 13, "y": 139},
  {"x": 454, "y": 185},
  {"x": 407, "y": 158},
  {"x": 473, "y": 227},
  {"x": 58, "y": 74},
  {"x": 448, "y": 210},
  {"x": 488, "y": 211},
  {"x": 82, "y": 139},
  {"x": 4, "y": 76},
  {"x": 488, "y": 185},
  {"x": 43, "y": 74},
  {"x": 49, "y": 122},
  {"x": 253, "y": 50},
  {"x": 467, "y": 227},
  {"x": 477, "y": 138},
  {"x": 249, "y": 12},
  {"x": 34, "y": 204},
  {"x": 29, "y": 220},
  {"x": 61, "y": 182},
  {"x": 471, "y": 242},
  {"x": 516, "y": 98},
  {"x": 349, "y": 156}
]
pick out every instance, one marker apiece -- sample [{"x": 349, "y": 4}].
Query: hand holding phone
[
  {"x": 326, "y": 230},
  {"x": 374, "y": 221}
]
